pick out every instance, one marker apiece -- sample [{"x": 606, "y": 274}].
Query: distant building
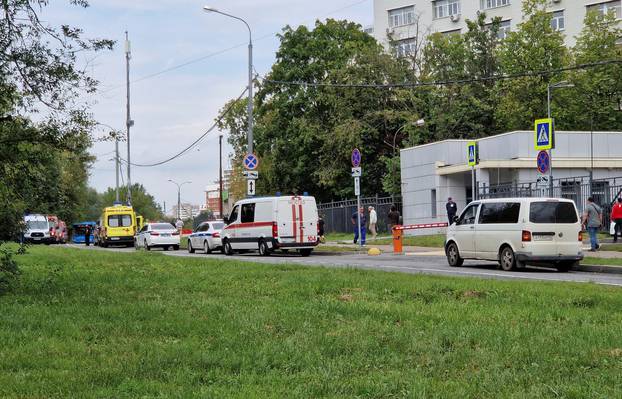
[
  {"x": 433, "y": 172},
  {"x": 188, "y": 211},
  {"x": 212, "y": 199},
  {"x": 403, "y": 20}
]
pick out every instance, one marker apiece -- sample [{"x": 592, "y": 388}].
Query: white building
[
  {"x": 433, "y": 172},
  {"x": 403, "y": 19}
]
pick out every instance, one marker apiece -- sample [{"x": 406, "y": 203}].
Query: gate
[{"x": 337, "y": 215}]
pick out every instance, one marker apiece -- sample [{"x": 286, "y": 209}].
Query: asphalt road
[{"x": 415, "y": 263}]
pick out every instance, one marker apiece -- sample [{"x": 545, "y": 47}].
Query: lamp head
[{"x": 209, "y": 9}]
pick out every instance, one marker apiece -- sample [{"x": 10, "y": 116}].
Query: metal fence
[
  {"x": 578, "y": 189},
  {"x": 337, "y": 215}
]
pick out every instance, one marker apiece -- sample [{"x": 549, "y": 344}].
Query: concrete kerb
[{"x": 599, "y": 269}]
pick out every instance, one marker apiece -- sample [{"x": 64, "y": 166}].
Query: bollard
[{"x": 397, "y": 239}]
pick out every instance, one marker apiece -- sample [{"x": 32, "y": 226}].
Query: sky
[{"x": 173, "y": 108}]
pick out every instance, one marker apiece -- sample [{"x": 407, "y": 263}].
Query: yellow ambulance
[{"x": 117, "y": 226}]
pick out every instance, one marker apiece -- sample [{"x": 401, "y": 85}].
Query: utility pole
[
  {"x": 116, "y": 166},
  {"x": 128, "y": 121},
  {"x": 220, "y": 175}
]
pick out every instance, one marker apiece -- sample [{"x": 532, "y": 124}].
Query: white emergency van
[
  {"x": 267, "y": 224},
  {"x": 516, "y": 232},
  {"x": 38, "y": 229}
]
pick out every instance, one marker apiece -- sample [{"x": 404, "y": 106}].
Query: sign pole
[
  {"x": 472, "y": 160},
  {"x": 356, "y": 173},
  {"x": 358, "y": 217},
  {"x": 473, "y": 183}
]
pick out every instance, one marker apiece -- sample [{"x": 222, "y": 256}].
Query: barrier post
[{"x": 397, "y": 240}]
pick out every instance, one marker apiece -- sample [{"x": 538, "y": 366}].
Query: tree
[{"x": 143, "y": 203}]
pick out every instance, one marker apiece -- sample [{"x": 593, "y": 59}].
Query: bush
[{"x": 9, "y": 271}]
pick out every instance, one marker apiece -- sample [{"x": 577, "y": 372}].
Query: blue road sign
[
  {"x": 356, "y": 158},
  {"x": 543, "y": 134},
  {"x": 472, "y": 153},
  {"x": 543, "y": 161},
  {"x": 251, "y": 162}
]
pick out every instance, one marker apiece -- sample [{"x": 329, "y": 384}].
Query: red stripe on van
[
  {"x": 249, "y": 224},
  {"x": 294, "y": 221},
  {"x": 302, "y": 236}
]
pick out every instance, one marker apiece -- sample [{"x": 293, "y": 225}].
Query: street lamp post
[
  {"x": 549, "y": 87},
  {"x": 220, "y": 175},
  {"x": 179, "y": 196},
  {"x": 116, "y": 158},
  {"x": 250, "y": 74}
]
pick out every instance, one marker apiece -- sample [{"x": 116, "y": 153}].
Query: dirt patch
[
  {"x": 345, "y": 297},
  {"x": 473, "y": 294}
]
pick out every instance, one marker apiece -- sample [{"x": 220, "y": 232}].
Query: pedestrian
[
  {"x": 320, "y": 229},
  {"x": 373, "y": 221},
  {"x": 87, "y": 235},
  {"x": 616, "y": 217},
  {"x": 361, "y": 214},
  {"x": 394, "y": 218},
  {"x": 452, "y": 210},
  {"x": 179, "y": 225},
  {"x": 592, "y": 219}
]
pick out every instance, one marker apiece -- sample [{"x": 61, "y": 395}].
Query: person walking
[
  {"x": 452, "y": 210},
  {"x": 616, "y": 217},
  {"x": 373, "y": 221},
  {"x": 394, "y": 218},
  {"x": 592, "y": 219},
  {"x": 87, "y": 235},
  {"x": 356, "y": 227},
  {"x": 320, "y": 229}
]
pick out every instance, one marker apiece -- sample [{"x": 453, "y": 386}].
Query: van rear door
[
  {"x": 297, "y": 220},
  {"x": 555, "y": 227}
]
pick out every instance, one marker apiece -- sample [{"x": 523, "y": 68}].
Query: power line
[
  {"x": 444, "y": 82},
  {"x": 194, "y": 143},
  {"x": 210, "y": 55}
]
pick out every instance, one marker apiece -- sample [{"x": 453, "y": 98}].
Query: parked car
[
  {"x": 206, "y": 237},
  {"x": 163, "y": 235},
  {"x": 38, "y": 229},
  {"x": 517, "y": 232},
  {"x": 271, "y": 223}
]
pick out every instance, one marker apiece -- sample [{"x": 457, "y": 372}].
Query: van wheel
[
  {"x": 227, "y": 249},
  {"x": 206, "y": 248},
  {"x": 190, "y": 249},
  {"x": 175, "y": 247},
  {"x": 263, "y": 248},
  {"x": 453, "y": 255},
  {"x": 305, "y": 252},
  {"x": 507, "y": 259}
]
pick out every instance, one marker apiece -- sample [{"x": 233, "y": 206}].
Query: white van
[
  {"x": 271, "y": 223},
  {"x": 516, "y": 232},
  {"x": 38, "y": 229}
]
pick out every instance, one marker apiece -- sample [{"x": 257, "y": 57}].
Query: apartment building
[{"x": 402, "y": 20}]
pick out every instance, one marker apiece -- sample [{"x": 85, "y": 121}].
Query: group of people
[
  {"x": 592, "y": 221},
  {"x": 393, "y": 215}
]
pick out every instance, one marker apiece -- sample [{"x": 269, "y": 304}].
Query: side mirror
[
  {"x": 225, "y": 219},
  {"x": 455, "y": 219}
]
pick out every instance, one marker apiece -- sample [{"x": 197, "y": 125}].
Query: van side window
[
  {"x": 552, "y": 212},
  {"x": 500, "y": 212},
  {"x": 248, "y": 213},
  {"x": 468, "y": 216},
  {"x": 234, "y": 214}
]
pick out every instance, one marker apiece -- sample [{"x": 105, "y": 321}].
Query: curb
[{"x": 598, "y": 269}]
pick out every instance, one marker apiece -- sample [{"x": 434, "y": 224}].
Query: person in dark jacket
[
  {"x": 394, "y": 217},
  {"x": 356, "y": 227},
  {"x": 320, "y": 229},
  {"x": 452, "y": 210},
  {"x": 87, "y": 235}
]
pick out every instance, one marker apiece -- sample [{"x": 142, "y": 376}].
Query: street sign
[
  {"x": 251, "y": 162},
  {"x": 356, "y": 158},
  {"x": 542, "y": 181},
  {"x": 251, "y": 174},
  {"x": 357, "y": 172},
  {"x": 251, "y": 187},
  {"x": 544, "y": 136},
  {"x": 543, "y": 161},
  {"x": 357, "y": 186},
  {"x": 472, "y": 158}
]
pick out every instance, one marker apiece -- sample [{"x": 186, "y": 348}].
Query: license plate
[
  {"x": 114, "y": 238},
  {"x": 166, "y": 235},
  {"x": 37, "y": 239},
  {"x": 542, "y": 238}
]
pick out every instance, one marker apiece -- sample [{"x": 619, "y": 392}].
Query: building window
[
  {"x": 445, "y": 8},
  {"x": 486, "y": 4},
  {"x": 404, "y": 48},
  {"x": 504, "y": 29},
  {"x": 433, "y": 202},
  {"x": 557, "y": 20},
  {"x": 402, "y": 16},
  {"x": 607, "y": 7},
  {"x": 451, "y": 32}
]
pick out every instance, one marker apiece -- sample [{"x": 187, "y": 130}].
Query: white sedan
[
  {"x": 163, "y": 235},
  {"x": 206, "y": 237}
]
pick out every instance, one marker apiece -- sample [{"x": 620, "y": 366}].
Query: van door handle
[{"x": 471, "y": 227}]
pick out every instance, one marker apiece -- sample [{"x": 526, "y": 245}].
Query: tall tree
[{"x": 143, "y": 203}]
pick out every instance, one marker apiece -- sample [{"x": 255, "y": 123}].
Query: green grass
[
  {"x": 611, "y": 247},
  {"x": 99, "y": 324},
  {"x": 602, "y": 261},
  {"x": 350, "y": 236},
  {"x": 435, "y": 240}
]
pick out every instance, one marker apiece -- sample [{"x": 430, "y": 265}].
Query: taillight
[
  {"x": 580, "y": 236},
  {"x": 153, "y": 233},
  {"x": 526, "y": 236},
  {"x": 216, "y": 235},
  {"x": 275, "y": 230},
  {"x": 176, "y": 233}
]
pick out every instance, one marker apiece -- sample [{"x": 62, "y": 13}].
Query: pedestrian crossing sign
[
  {"x": 472, "y": 158},
  {"x": 544, "y": 138}
]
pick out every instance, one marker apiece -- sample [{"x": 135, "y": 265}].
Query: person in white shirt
[{"x": 373, "y": 219}]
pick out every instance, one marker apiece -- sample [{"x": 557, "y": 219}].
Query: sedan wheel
[
  {"x": 206, "y": 248},
  {"x": 190, "y": 249},
  {"x": 147, "y": 247}
]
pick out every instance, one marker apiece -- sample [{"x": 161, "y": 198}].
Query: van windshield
[
  {"x": 119, "y": 220},
  {"x": 37, "y": 225},
  {"x": 552, "y": 212}
]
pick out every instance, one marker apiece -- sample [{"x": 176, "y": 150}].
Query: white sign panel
[
  {"x": 356, "y": 172},
  {"x": 251, "y": 174},
  {"x": 357, "y": 186},
  {"x": 250, "y": 187}
]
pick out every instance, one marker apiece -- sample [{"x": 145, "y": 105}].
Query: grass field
[
  {"x": 100, "y": 324},
  {"x": 435, "y": 240}
]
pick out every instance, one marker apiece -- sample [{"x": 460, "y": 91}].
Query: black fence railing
[{"x": 337, "y": 215}]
